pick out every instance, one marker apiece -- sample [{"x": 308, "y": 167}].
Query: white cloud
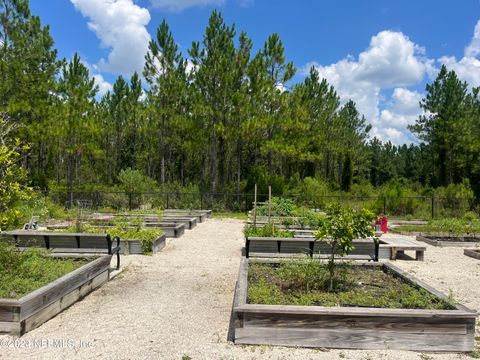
[
  {"x": 120, "y": 26},
  {"x": 103, "y": 85},
  {"x": 473, "y": 49},
  {"x": 392, "y": 61},
  {"x": 402, "y": 111},
  {"x": 180, "y": 5},
  {"x": 468, "y": 67}
]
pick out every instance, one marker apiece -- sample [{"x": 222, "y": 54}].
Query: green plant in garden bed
[
  {"x": 279, "y": 207},
  {"x": 22, "y": 272},
  {"x": 340, "y": 227},
  {"x": 308, "y": 283},
  {"x": 125, "y": 231},
  {"x": 454, "y": 226},
  {"x": 268, "y": 230}
]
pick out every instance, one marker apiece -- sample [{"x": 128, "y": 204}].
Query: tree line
[{"x": 222, "y": 117}]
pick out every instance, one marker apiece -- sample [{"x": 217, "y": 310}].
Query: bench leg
[
  {"x": 394, "y": 254},
  {"x": 419, "y": 255}
]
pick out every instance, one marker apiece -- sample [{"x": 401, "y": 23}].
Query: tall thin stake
[
  {"x": 255, "y": 208},
  {"x": 270, "y": 206}
]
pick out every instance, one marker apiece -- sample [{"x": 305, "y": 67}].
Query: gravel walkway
[{"x": 177, "y": 304}]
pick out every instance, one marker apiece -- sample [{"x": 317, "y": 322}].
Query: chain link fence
[{"x": 420, "y": 207}]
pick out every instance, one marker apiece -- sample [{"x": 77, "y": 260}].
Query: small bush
[{"x": 279, "y": 207}]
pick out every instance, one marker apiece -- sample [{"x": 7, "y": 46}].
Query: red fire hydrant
[{"x": 382, "y": 221}]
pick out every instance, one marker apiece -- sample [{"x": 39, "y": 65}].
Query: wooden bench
[
  {"x": 364, "y": 249},
  {"x": 81, "y": 242}
]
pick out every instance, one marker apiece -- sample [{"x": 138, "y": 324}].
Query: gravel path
[{"x": 178, "y": 304}]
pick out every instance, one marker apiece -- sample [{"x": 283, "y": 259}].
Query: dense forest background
[{"x": 219, "y": 118}]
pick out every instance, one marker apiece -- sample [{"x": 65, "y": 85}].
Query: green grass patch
[
  {"x": 450, "y": 225},
  {"x": 25, "y": 271},
  {"x": 230, "y": 215},
  {"x": 307, "y": 283}
]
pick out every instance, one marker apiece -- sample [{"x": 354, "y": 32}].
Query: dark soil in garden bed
[{"x": 307, "y": 283}]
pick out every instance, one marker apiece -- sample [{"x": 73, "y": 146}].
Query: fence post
[
  {"x": 246, "y": 203},
  {"x": 433, "y": 206},
  {"x": 384, "y": 205}
]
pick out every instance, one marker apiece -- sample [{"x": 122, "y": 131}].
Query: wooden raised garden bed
[
  {"x": 201, "y": 215},
  {"x": 30, "y": 311},
  {"x": 101, "y": 242},
  {"x": 449, "y": 240},
  {"x": 474, "y": 253},
  {"x": 281, "y": 247},
  {"x": 353, "y": 327},
  {"x": 190, "y": 222}
]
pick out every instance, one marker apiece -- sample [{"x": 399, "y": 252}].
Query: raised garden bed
[
  {"x": 279, "y": 247},
  {"x": 353, "y": 327},
  {"x": 190, "y": 222},
  {"x": 449, "y": 240},
  {"x": 30, "y": 311},
  {"x": 474, "y": 253},
  {"x": 201, "y": 215},
  {"x": 52, "y": 240}
]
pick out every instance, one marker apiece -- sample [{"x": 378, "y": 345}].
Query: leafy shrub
[
  {"x": 279, "y": 207},
  {"x": 340, "y": 228},
  {"x": 454, "y": 199}
]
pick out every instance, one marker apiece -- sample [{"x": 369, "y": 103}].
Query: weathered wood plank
[
  {"x": 40, "y": 298},
  {"x": 353, "y": 339},
  {"x": 399, "y": 324},
  {"x": 7, "y": 327},
  {"x": 474, "y": 253},
  {"x": 63, "y": 302}
]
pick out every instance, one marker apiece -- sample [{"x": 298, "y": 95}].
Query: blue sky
[{"x": 380, "y": 53}]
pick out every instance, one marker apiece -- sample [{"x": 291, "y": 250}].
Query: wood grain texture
[
  {"x": 354, "y": 339},
  {"x": 64, "y": 302}
]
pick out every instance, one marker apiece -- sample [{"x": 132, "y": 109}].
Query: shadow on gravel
[{"x": 231, "y": 325}]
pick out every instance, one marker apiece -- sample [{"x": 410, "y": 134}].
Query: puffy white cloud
[
  {"x": 180, "y": 5},
  {"x": 120, "y": 26},
  {"x": 468, "y": 67},
  {"x": 402, "y": 110},
  {"x": 392, "y": 60},
  {"x": 473, "y": 49},
  {"x": 103, "y": 85}
]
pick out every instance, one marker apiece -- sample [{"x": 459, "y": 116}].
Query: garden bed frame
[
  {"x": 30, "y": 311},
  {"x": 473, "y": 253},
  {"x": 440, "y": 243},
  {"x": 80, "y": 241},
  {"x": 352, "y": 327}
]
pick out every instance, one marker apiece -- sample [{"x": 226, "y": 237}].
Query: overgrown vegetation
[
  {"x": 308, "y": 283},
  {"x": 24, "y": 271}
]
